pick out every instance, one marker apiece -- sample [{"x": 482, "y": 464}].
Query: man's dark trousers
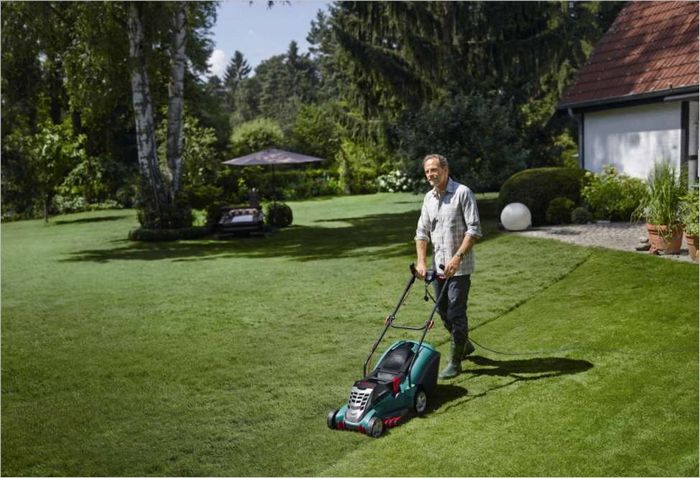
[{"x": 453, "y": 306}]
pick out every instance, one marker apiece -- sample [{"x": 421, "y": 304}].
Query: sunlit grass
[{"x": 223, "y": 357}]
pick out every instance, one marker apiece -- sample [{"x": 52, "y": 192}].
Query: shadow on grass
[
  {"x": 446, "y": 393},
  {"x": 85, "y": 220},
  {"x": 528, "y": 369},
  {"x": 518, "y": 370},
  {"x": 368, "y": 237}
]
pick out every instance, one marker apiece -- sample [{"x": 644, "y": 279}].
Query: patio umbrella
[{"x": 272, "y": 157}]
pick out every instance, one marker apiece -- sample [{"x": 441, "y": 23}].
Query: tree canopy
[{"x": 377, "y": 79}]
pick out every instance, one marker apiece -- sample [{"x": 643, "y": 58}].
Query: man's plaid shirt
[{"x": 445, "y": 220}]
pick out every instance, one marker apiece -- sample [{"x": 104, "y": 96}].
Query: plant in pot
[
  {"x": 690, "y": 220},
  {"x": 660, "y": 207}
]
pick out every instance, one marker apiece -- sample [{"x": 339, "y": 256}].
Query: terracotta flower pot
[
  {"x": 664, "y": 241},
  {"x": 692, "y": 242}
]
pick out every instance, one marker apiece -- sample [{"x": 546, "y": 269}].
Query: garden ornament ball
[{"x": 516, "y": 217}]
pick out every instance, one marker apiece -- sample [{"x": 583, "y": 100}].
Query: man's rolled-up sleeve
[
  {"x": 423, "y": 228},
  {"x": 471, "y": 216}
]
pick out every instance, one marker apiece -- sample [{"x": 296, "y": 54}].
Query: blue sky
[{"x": 260, "y": 32}]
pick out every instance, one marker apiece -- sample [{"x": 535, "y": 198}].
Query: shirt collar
[{"x": 451, "y": 188}]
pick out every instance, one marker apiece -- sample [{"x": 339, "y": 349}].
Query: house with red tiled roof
[{"x": 636, "y": 98}]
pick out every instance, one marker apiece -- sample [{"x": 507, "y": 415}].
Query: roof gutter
[
  {"x": 687, "y": 96},
  {"x": 685, "y": 92}
]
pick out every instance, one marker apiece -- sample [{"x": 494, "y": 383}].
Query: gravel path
[{"x": 622, "y": 236}]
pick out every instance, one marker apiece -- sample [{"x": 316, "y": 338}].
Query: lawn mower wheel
[
  {"x": 420, "y": 401},
  {"x": 376, "y": 427},
  {"x": 330, "y": 419}
]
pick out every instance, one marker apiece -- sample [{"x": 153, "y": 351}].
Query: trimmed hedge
[
  {"x": 537, "y": 187},
  {"x": 157, "y": 235}
]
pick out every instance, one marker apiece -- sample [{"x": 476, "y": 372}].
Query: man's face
[{"x": 435, "y": 174}]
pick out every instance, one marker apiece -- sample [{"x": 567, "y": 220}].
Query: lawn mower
[{"x": 401, "y": 382}]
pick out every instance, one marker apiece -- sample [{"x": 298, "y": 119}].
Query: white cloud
[{"x": 218, "y": 62}]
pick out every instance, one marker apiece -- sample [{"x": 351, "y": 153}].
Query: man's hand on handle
[
  {"x": 420, "y": 271},
  {"x": 421, "y": 253},
  {"x": 452, "y": 267}
]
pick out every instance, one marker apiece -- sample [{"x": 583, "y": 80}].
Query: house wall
[
  {"x": 693, "y": 129},
  {"x": 633, "y": 138}
]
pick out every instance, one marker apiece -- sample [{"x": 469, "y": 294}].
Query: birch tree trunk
[
  {"x": 143, "y": 113},
  {"x": 176, "y": 99}
]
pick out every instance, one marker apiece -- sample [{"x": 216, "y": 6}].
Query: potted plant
[
  {"x": 690, "y": 219},
  {"x": 660, "y": 207}
]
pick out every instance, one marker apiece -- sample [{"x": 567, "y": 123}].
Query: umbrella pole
[{"x": 274, "y": 186}]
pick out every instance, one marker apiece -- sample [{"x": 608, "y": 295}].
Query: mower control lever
[{"x": 430, "y": 274}]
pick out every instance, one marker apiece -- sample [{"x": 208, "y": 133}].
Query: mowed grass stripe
[{"x": 223, "y": 357}]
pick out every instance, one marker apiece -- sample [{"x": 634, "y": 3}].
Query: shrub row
[
  {"x": 537, "y": 187},
  {"x": 563, "y": 195}
]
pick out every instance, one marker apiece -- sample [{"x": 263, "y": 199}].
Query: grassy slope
[
  {"x": 610, "y": 387},
  {"x": 223, "y": 357}
]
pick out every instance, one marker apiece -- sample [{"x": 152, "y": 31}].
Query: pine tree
[{"x": 237, "y": 70}]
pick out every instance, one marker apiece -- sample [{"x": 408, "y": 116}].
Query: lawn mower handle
[
  {"x": 430, "y": 274},
  {"x": 427, "y": 326},
  {"x": 390, "y": 318}
]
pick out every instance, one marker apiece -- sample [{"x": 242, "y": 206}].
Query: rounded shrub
[
  {"x": 559, "y": 210},
  {"x": 537, "y": 187},
  {"x": 214, "y": 211},
  {"x": 581, "y": 215},
  {"x": 278, "y": 214},
  {"x": 251, "y": 136}
]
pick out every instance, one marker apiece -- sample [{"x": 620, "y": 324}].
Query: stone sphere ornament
[{"x": 516, "y": 217}]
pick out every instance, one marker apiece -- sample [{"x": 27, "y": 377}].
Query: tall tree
[
  {"x": 401, "y": 55},
  {"x": 237, "y": 70},
  {"x": 163, "y": 208},
  {"x": 143, "y": 115},
  {"x": 281, "y": 84},
  {"x": 416, "y": 51},
  {"x": 67, "y": 59},
  {"x": 176, "y": 104}
]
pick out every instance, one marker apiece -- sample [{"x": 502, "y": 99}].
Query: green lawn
[{"x": 224, "y": 357}]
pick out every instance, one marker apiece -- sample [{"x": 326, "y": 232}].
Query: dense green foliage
[
  {"x": 476, "y": 134},
  {"x": 559, "y": 210},
  {"x": 383, "y": 84},
  {"x": 612, "y": 196},
  {"x": 537, "y": 187},
  {"x": 581, "y": 215},
  {"x": 255, "y": 135},
  {"x": 690, "y": 215},
  {"x": 405, "y": 54},
  {"x": 67, "y": 63},
  {"x": 178, "y": 359}
]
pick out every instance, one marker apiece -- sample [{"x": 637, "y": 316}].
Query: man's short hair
[{"x": 439, "y": 157}]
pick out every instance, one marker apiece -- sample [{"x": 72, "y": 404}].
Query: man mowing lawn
[{"x": 449, "y": 219}]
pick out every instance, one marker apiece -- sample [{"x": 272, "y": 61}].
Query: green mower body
[{"x": 400, "y": 384}]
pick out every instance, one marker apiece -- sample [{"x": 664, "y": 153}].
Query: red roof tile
[{"x": 651, "y": 47}]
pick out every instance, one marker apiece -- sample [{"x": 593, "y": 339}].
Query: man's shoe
[
  {"x": 452, "y": 370},
  {"x": 454, "y": 367},
  {"x": 468, "y": 349}
]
